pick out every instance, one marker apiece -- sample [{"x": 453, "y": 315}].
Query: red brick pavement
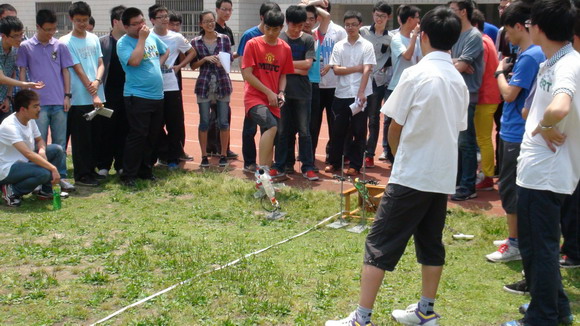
[{"x": 487, "y": 202}]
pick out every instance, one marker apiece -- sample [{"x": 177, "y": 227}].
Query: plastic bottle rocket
[{"x": 266, "y": 181}]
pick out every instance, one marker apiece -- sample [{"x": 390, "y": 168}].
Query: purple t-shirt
[{"x": 45, "y": 63}]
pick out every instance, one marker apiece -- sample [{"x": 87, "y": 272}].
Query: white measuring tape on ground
[{"x": 232, "y": 263}]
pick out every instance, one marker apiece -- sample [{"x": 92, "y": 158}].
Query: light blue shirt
[
  {"x": 86, "y": 52},
  {"x": 144, "y": 80}
]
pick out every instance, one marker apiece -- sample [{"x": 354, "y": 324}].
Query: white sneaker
[
  {"x": 498, "y": 243},
  {"x": 348, "y": 321},
  {"x": 413, "y": 317},
  {"x": 504, "y": 253},
  {"x": 103, "y": 172}
]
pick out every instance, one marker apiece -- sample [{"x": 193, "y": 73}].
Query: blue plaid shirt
[
  {"x": 224, "y": 84},
  {"x": 8, "y": 66}
]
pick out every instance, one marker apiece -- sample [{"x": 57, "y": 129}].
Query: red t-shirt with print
[{"x": 269, "y": 62}]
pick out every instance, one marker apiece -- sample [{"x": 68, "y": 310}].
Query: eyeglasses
[
  {"x": 351, "y": 25},
  {"x": 137, "y": 23},
  {"x": 48, "y": 30},
  {"x": 17, "y": 36},
  {"x": 311, "y": 19},
  {"x": 208, "y": 22},
  {"x": 528, "y": 23},
  {"x": 81, "y": 21},
  {"x": 383, "y": 16},
  {"x": 162, "y": 17},
  {"x": 226, "y": 9}
]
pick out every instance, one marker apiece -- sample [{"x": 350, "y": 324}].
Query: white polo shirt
[
  {"x": 430, "y": 102},
  {"x": 345, "y": 54},
  {"x": 538, "y": 167}
]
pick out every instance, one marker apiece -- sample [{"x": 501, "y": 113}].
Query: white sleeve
[
  {"x": 183, "y": 44},
  {"x": 369, "y": 55},
  {"x": 566, "y": 79}
]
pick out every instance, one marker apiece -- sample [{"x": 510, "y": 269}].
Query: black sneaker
[
  {"x": 232, "y": 155},
  {"x": 463, "y": 194},
  {"x": 223, "y": 162},
  {"x": 204, "y": 162},
  {"x": 87, "y": 181},
  {"x": 186, "y": 157},
  {"x": 519, "y": 287},
  {"x": 97, "y": 176},
  {"x": 567, "y": 262},
  {"x": 43, "y": 195},
  {"x": 9, "y": 197}
]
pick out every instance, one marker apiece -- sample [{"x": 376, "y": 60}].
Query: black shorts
[
  {"x": 403, "y": 212},
  {"x": 507, "y": 177}
]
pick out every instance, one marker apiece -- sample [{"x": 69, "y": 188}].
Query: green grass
[{"x": 110, "y": 246}]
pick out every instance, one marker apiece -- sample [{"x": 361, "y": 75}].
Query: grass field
[{"x": 110, "y": 246}]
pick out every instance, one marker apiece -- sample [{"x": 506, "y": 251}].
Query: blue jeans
[
  {"x": 26, "y": 176},
  {"x": 55, "y": 117},
  {"x": 373, "y": 109},
  {"x": 222, "y": 115},
  {"x": 539, "y": 215},
  {"x": 467, "y": 167},
  {"x": 249, "y": 131},
  {"x": 295, "y": 116}
]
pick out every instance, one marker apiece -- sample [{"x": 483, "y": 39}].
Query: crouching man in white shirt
[
  {"x": 25, "y": 160},
  {"x": 429, "y": 109}
]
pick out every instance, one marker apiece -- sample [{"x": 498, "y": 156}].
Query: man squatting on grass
[
  {"x": 25, "y": 160},
  {"x": 266, "y": 61},
  {"x": 429, "y": 109}
]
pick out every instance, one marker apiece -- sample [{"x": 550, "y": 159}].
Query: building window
[
  {"x": 189, "y": 10},
  {"x": 64, "y": 24}
]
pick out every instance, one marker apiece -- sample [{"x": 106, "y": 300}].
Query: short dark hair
[
  {"x": 6, "y": 7},
  {"x": 92, "y": 21},
  {"x": 116, "y": 13},
  {"x": 464, "y": 4},
  {"x": 175, "y": 17},
  {"x": 517, "y": 12},
  {"x": 267, "y": 6},
  {"x": 577, "y": 23},
  {"x": 10, "y": 24},
  {"x": 442, "y": 27},
  {"x": 274, "y": 18},
  {"x": 555, "y": 18},
  {"x": 80, "y": 8},
  {"x": 478, "y": 19},
  {"x": 296, "y": 14},
  {"x": 129, "y": 14},
  {"x": 406, "y": 12},
  {"x": 44, "y": 16},
  {"x": 383, "y": 6},
  {"x": 154, "y": 9},
  {"x": 218, "y": 3},
  {"x": 312, "y": 9},
  {"x": 23, "y": 99},
  {"x": 352, "y": 14},
  {"x": 327, "y": 7}
]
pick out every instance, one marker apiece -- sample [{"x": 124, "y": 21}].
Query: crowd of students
[{"x": 442, "y": 81}]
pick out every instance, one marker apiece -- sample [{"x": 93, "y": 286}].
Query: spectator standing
[
  {"x": 87, "y": 92},
  {"x": 352, "y": 61},
  {"x": 467, "y": 56},
  {"x": 111, "y": 133},
  {"x": 548, "y": 171},
  {"x": 141, "y": 54},
  {"x": 45, "y": 58},
  {"x": 213, "y": 84},
  {"x": 379, "y": 36},
  {"x": 171, "y": 143}
]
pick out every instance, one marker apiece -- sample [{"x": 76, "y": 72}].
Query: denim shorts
[{"x": 262, "y": 115}]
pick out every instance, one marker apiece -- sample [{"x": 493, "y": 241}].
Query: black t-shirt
[
  {"x": 116, "y": 77},
  {"x": 298, "y": 86},
  {"x": 227, "y": 31}
]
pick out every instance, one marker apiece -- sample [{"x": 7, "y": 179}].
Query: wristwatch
[
  {"x": 69, "y": 95},
  {"x": 544, "y": 128},
  {"x": 499, "y": 72}
]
